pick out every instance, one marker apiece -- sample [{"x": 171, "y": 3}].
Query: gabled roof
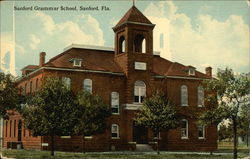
[
  {"x": 30, "y": 67},
  {"x": 163, "y": 67},
  {"x": 96, "y": 60},
  {"x": 133, "y": 15},
  {"x": 101, "y": 60}
]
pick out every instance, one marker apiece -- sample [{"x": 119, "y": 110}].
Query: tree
[
  {"x": 232, "y": 92},
  {"x": 9, "y": 98},
  {"x": 50, "y": 111},
  {"x": 91, "y": 115},
  {"x": 157, "y": 113}
]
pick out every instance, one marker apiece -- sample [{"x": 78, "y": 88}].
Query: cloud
[
  {"x": 208, "y": 41},
  {"x": 52, "y": 37},
  {"x": 34, "y": 41}
]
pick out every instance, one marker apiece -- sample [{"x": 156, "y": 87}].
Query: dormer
[
  {"x": 77, "y": 62},
  {"x": 191, "y": 70}
]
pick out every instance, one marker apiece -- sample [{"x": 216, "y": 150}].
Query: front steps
[{"x": 143, "y": 148}]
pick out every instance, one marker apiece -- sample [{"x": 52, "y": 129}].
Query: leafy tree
[
  {"x": 9, "y": 98},
  {"x": 50, "y": 112},
  {"x": 244, "y": 123},
  {"x": 158, "y": 114},
  {"x": 91, "y": 115},
  {"x": 232, "y": 92}
]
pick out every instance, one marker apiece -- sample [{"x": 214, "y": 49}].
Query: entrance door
[
  {"x": 140, "y": 134},
  {"x": 19, "y": 134}
]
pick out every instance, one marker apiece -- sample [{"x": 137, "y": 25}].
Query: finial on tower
[{"x": 133, "y": 2}]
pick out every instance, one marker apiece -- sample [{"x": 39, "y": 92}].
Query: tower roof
[{"x": 133, "y": 15}]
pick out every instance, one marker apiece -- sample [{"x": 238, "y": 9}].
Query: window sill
[
  {"x": 184, "y": 138},
  {"x": 200, "y": 106},
  {"x": 115, "y": 138},
  {"x": 201, "y": 138},
  {"x": 184, "y": 105},
  {"x": 88, "y": 137},
  {"x": 115, "y": 113}
]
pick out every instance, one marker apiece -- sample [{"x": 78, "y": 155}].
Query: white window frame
[
  {"x": 191, "y": 72},
  {"x": 139, "y": 91},
  {"x": 182, "y": 95},
  {"x": 184, "y": 137},
  {"x": 200, "y": 96},
  {"x": 65, "y": 80},
  {"x": 203, "y": 131},
  {"x": 79, "y": 64},
  {"x": 115, "y": 105},
  {"x": 88, "y": 82},
  {"x": 112, "y": 131}
]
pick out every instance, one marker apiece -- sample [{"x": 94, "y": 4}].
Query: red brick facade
[{"x": 117, "y": 71}]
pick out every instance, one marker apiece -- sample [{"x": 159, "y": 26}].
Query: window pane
[
  {"x": 139, "y": 91},
  {"x": 184, "y": 128},
  {"x": 184, "y": 95},
  {"x": 114, "y": 135},
  {"x": 87, "y": 85},
  {"x": 67, "y": 81},
  {"x": 136, "y": 99},
  {"x": 201, "y": 131}
]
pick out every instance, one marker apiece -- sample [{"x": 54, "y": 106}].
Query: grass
[{"x": 31, "y": 154}]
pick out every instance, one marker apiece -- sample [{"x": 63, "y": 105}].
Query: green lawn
[{"x": 25, "y": 154}]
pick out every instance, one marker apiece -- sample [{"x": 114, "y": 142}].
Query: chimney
[
  {"x": 209, "y": 71},
  {"x": 42, "y": 59}
]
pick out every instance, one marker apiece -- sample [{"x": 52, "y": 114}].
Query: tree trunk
[
  {"x": 158, "y": 143},
  {"x": 52, "y": 144},
  {"x": 235, "y": 137}
]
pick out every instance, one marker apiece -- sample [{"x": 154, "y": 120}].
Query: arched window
[
  {"x": 122, "y": 44},
  {"x": 37, "y": 83},
  {"x": 87, "y": 85},
  {"x": 115, "y": 131},
  {"x": 200, "y": 93},
  {"x": 115, "y": 102},
  {"x": 139, "y": 91},
  {"x": 139, "y": 43},
  {"x": 67, "y": 81},
  {"x": 30, "y": 86},
  {"x": 184, "y": 129},
  {"x": 184, "y": 95},
  {"x": 143, "y": 46}
]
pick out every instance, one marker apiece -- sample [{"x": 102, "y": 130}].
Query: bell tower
[
  {"x": 133, "y": 40},
  {"x": 134, "y": 50}
]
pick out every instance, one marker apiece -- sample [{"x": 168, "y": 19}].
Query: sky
[{"x": 198, "y": 33}]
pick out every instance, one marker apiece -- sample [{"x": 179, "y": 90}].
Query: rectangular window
[
  {"x": 201, "y": 132},
  {"x": 67, "y": 81},
  {"x": 184, "y": 95},
  {"x": 115, "y": 131},
  {"x": 200, "y": 96},
  {"x": 184, "y": 129},
  {"x": 87, "y": 85},
  {"x": 115, "y": 102},
  {"x": 77, "y": 62},
  {"x": 6, "y": 129},
  {"x": 10, "y": 128},
  {"x": 14, "y": 128}
]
